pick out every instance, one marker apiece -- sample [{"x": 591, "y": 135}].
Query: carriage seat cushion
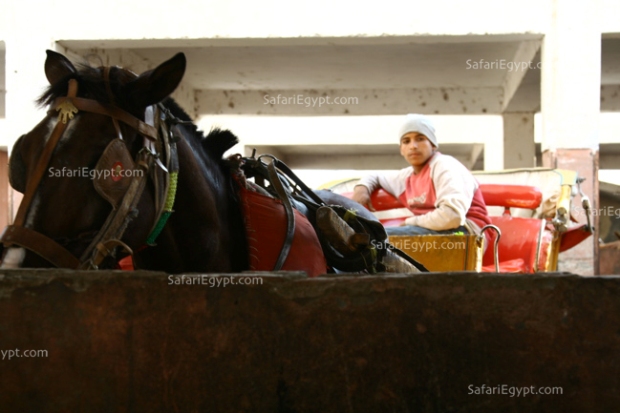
[
  {"x": 511, "y": 196},
  {"x": 507, "y": 196}
]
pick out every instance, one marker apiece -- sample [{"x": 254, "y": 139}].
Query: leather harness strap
[
  {"x": 109, "y": 236},
  {"x": 108, "y": 88},
  {"x": 44, "y": 160},
  {"x": 290, "y": 216},
  {"x": 92, "y": 106},
  {"x": 40, "y": 244},
  {"x": 17, "y": 234}
]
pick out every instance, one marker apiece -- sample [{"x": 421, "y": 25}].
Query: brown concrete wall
[
  {"x": 131, "y": 342},
  {"x": 610, "y": 258}
]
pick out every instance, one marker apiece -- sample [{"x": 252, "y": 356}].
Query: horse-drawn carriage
[{"x": 531, "y": 209}]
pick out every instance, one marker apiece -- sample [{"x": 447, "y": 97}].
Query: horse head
[{"x": 78, "y": 165}]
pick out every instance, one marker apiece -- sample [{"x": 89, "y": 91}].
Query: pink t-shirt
[{"x": 419, "y": 194}]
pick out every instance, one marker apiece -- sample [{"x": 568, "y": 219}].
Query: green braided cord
[
  {"x": 172, "y": 191},
  {"x": 161, "y": 223},
  {"x": 159, "y": 227}
]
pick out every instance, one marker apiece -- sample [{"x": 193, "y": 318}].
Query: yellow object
[
  {"x": 66, "y": 111},
  {"x": 443, "y": 252}
]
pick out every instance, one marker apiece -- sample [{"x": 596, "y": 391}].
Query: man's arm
[
  {"x": 361, "y": 195},
  {"x": 392, "y": 182}
]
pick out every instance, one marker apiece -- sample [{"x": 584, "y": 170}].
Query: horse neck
[{"x": 206, "y": 232}]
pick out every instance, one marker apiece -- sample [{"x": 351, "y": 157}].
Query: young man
[{"x": 442, "y": 194}]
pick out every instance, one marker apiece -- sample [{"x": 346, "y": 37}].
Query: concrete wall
[{"x": 133, "y": 342}]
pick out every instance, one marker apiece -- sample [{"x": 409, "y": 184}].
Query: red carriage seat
[{"x": 525, "y": 243}]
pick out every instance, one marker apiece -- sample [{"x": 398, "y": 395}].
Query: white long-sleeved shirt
[{"x": 439, "y": 197}]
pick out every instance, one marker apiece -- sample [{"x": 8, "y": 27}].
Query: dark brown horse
[{"x": 205, "y": 233}]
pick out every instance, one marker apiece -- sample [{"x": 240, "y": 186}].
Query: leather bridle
[{"x": 157, "y": 149}]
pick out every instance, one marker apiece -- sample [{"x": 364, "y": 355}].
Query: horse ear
[
  {"x": 57, "y": 67},
  {"x": 155, "y": 85}
]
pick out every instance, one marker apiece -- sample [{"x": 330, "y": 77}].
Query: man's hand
[{"x": 361, "y": 195}]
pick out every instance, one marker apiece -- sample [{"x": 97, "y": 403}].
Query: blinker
[{"x": 109, "y": 182}]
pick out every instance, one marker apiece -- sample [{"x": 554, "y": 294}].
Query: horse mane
[{"x": 217, "y": 141}]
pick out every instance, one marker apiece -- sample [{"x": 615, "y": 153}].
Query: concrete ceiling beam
[
  {"x": 482, "y": 100},
  {"x": 523, "y": 60},
  {"x": 360, "y": 157},
  {"x": 347, "y": 161}
]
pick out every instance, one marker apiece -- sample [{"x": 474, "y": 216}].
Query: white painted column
[
  {"x": 519, "y": 145},
  {"x": 570, "y": 99}
]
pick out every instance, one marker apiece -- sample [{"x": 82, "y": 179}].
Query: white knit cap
[{"x": 421, "y": 124}]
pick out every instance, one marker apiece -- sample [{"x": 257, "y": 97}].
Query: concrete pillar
[
  {"x": 519, "y": 146},
  {"x": 570, "y": 103}
]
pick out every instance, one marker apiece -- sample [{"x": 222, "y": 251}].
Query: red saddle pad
[{"x": 265, "y": 221}]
